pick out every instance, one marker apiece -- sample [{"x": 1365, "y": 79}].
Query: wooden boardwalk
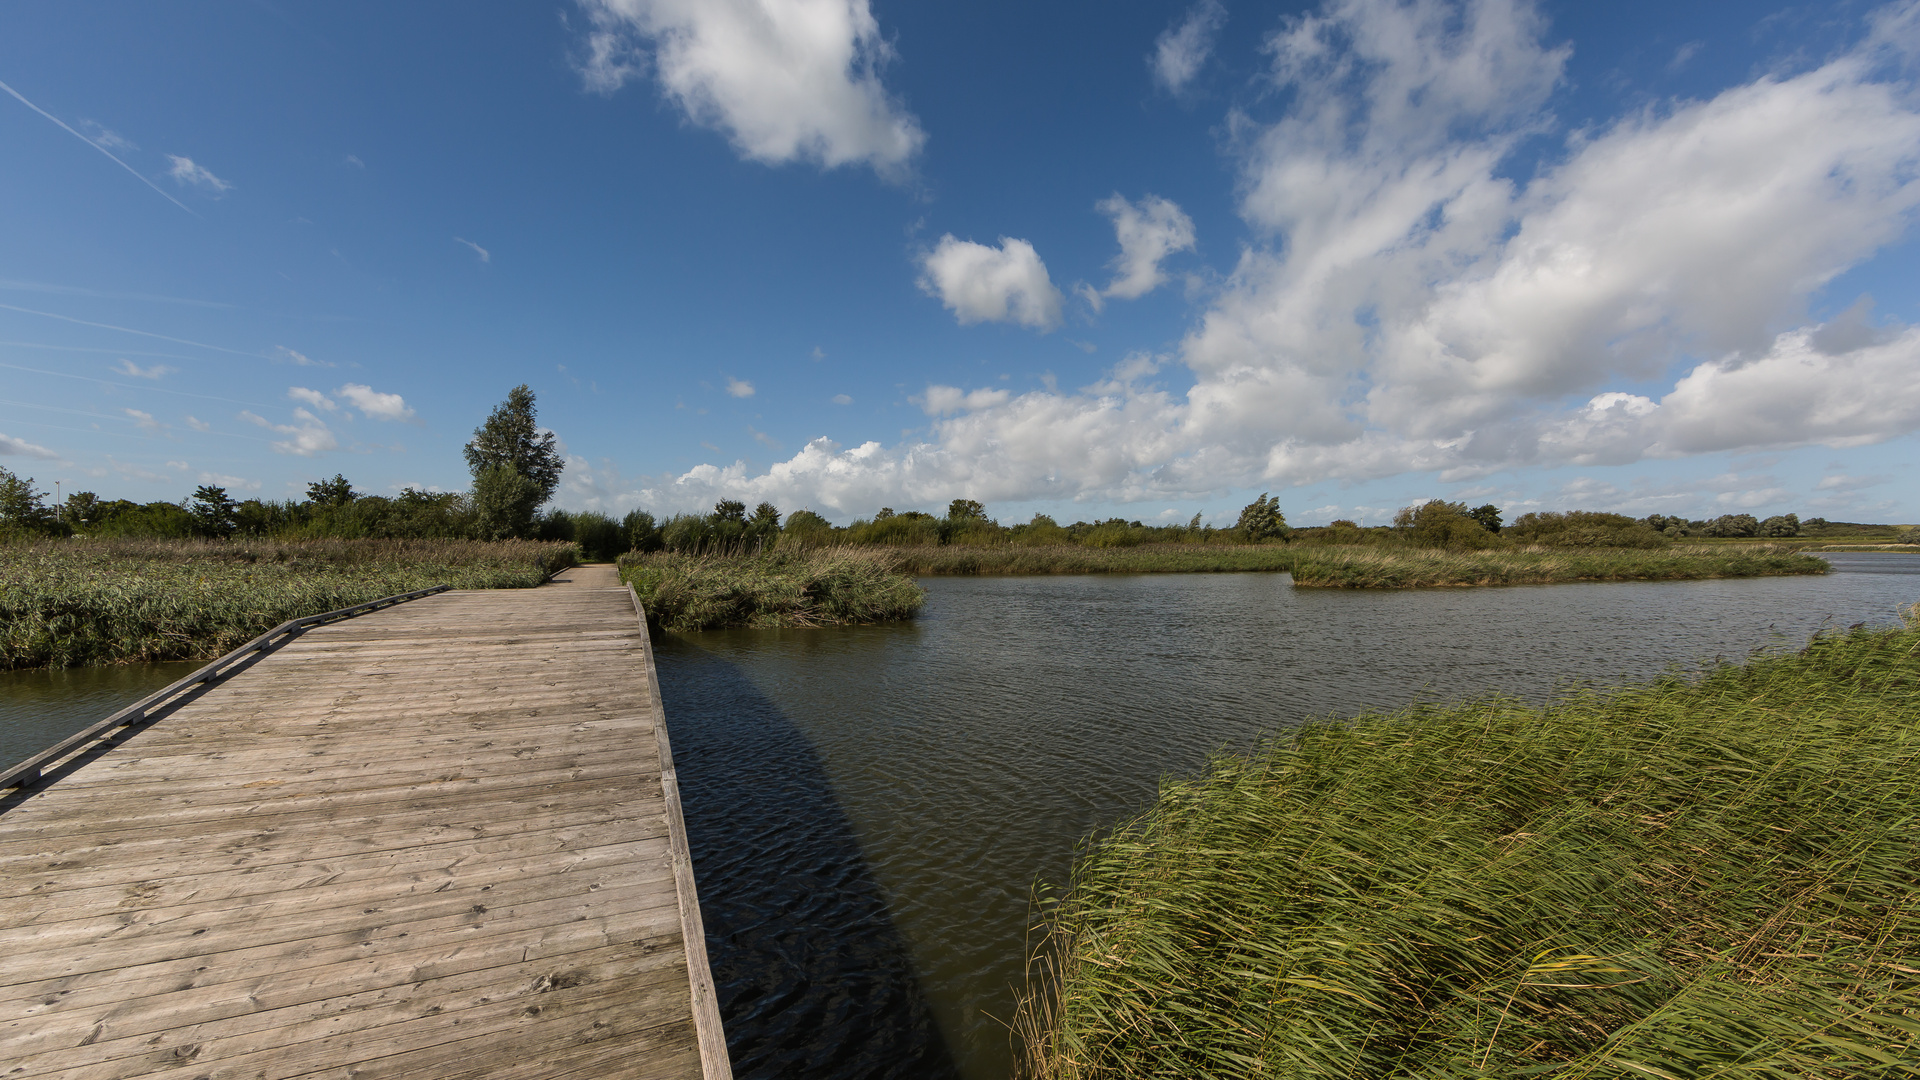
[{"x": 434, "y": 841}]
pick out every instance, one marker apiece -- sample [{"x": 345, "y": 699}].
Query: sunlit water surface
[{"x": 869, "y": 806}]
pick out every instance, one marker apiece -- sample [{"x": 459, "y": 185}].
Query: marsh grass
[
  {"x": 1707, "y": 876},
  {"x": 814, "y": 587},
  {"x": 69, "y": 602},
  {"x": 1375, "y": 567},
  {"x": 1078, "y": 559}
]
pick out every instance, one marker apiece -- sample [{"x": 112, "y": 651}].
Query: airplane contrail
[
  {"x": 97, "y": 146},
  {"x": 131, "y": 330}
]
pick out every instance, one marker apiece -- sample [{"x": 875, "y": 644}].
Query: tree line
[{"x": 515, "y": 466}]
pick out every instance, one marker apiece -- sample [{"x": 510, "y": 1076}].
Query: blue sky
[{"x": 1081, "y": 258}]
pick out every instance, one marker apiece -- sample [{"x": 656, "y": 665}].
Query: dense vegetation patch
[
  {"x": 1380, "y": 567},
  {"x": 69, "y": 602},
  {"x": 1716, "y": 876},
  {"x": 819, "y": 587}
]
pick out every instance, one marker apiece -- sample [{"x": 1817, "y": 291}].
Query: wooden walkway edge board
[
  {"x": 714, "y": 1062},
  {"x": 361, "y": 853}
]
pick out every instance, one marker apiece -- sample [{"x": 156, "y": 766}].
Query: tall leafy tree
[
  {"x": 21, "y": 507},
  {"x": 213, "y": 512},
  {"x": 510, "y": 437},
  {"x": 1261, "y": 519},
  {"x": 335, "y": 492}
]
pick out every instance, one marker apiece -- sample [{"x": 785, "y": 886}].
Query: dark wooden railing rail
[{"x": 28, "y": 772}]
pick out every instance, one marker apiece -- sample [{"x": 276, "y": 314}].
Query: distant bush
[
  {"x": 601, "y": 538},
  {"x": 1042, "y": 531},
  {"x": 1113, "y": 533},
  {"x": 806, "y": 529},
  {"x": 1583, "y": 528},
  {"x": 820, "y": 587},
  {"x": 1733, "y": 525},
  {"x": 1446, "y": 525},
  {"x": 911, "y": 529}
]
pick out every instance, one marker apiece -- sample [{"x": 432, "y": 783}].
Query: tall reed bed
[
  {"x": 1356, "y": 567},
  {"x": 818, "y": 587},
  {"x": 1077, "y": 559},
  {"x": 1716, "y": 876},
  {"x": 69, "y": 602}
]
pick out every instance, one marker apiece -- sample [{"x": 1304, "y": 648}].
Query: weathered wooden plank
[{"x": 437, "y": 841}]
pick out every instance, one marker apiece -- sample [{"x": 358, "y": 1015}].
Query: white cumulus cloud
[
  {"x": 1180, "y": 51},
  {"x": 375, "y": 404},
  {"x": 186, "y": 173},
  {"x": 985, "y": 284},
  {"x": 1149, "y": 231},
  {"x": 787, "y": 80},
  {"x": 1405, "y": 304},
  {"x": 739, "y": 388}
]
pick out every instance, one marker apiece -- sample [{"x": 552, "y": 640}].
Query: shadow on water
[{"x": 812, "y": 976}]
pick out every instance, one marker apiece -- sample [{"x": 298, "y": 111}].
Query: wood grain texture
[{"x": 440, "y": 840}]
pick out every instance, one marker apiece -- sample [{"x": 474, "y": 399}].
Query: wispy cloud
[
  {"x": 75, "y": 290},
  {"x": 375, "y": 404},
  {"x": 127, "y": 330},
  {"x": 185, "y": 172},
  {"x": 485, "y": 255},
  {"x": 12, "y": 447},
  {"x": 198, "y": 424},
  {"x": 298, "y": 359},
  {"x": 128, "y": 367},
  {"x": 145, "y": 421},
  {"x": 1180, "y": 52},
  {"x": 354, "y": 160},
  {"x": 308, "y": 437},
  {"x": 739, "y": 388},
  {"x": 103, "y": 136},
  {"x": 235, "y": 482},
  {"x": 136, "y": 173},
  {"x": 312, "y": 397},
  {"x": 842, "y": 399}
]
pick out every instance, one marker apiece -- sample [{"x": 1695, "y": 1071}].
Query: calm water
[
  {"x": 39, "y": 708},
  {"x": 868, "y": 807}
]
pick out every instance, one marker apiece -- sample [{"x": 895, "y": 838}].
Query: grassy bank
[
  {"x": 69, "y": 602},
  {"x": 1717, "y": 876},
  {"x": 1076, "y": 559},
  {"x": 821, "y": 587},
  {"x": 1408, "y": 567}
]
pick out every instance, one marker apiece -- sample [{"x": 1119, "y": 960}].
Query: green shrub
[
  {"x": 1584, "y": 528},
  {"x": 818, "y": 587}
]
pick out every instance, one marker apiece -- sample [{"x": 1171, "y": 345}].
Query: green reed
[
  {"x": 1379, "y": 567},
  {"x": 1077, "y": 559},
  {"x": 1715, "y": 875},
  {"x": 815, "y": 587},
  {"x": 69, "y": 602}
]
